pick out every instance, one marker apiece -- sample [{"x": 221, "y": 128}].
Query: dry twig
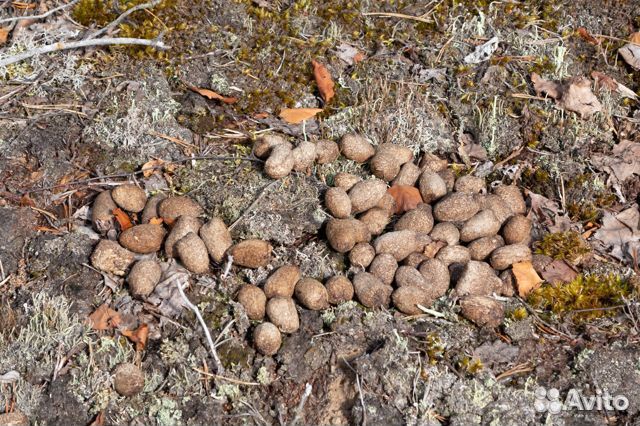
[{"x": 42, "y": 16}]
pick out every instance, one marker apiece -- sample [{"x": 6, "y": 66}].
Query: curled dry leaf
[
  {"x": 620, "y": 231},
  {"x": 150, "y": 167},
  {"x": 612, "y": 84},
  {"x": 123, "y": 219},
  {"x": 573, "y": 95},
  {"x": 323, "y": 80},
  {"x": 527, "y": 279},
  {"x": 559, "y": 271},
  {"x": 210, "y": 94},
  {"x": 104, "y": 318},
  {"x": 406, "y": 197},
  {"x": 139, "y": 336},
  {"x": 298, "y": 115},
  {"x": 630, "y": 52}
]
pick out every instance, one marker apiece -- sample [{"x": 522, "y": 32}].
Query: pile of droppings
[
  {"x": 408, "y": 244},
  {"x": 143, "y": 234}
]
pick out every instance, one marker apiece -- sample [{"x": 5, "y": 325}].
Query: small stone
[
  {"x": 408, "y": 276},
  {"x": 399, "y": 244},
  {"x": 517, "y": 230},
  {"x": 419, "y": 219},
  {"x": 128, "y": 380},
  {"x": 144, "y": 277},
  {"x": 432, "y": 162},
  {"x": 182, "y": 226},
  {"x": 447, "y": 232},
  {"x": 193, "y": 253},
  {"x": 370, "y": 291},
  {"x": 512, "y": 196},
  {"x": 448, "y": 177},
  {"x": 151, "y": 208},
  {"x": 282, "y": 282},
  {"x": 282, "y": 313},
  {"x": 478, "y": 279},
  {"x": 265, "y": 143},
  {"x": 251, "y": 253},
  {"x": 111, "y": 257},
  {"x": 366, "y": 194},
  {"x": 482, "y": 224},
  {"x": 339, "y": 289},
  {"x": 456, "y": 207},
  {"x": 326, "y": 152},
  {"x": 345, "y": 180},
  {"x": 362, "y": 254},
  {"x": 431, "y": 186},
  {"x": 355, "y": 147},
  {"x": 253, "y": 300},
  {"x": 343, "y": 234},
  {"x": 414, "y": 259},
  {"x": 388, "y": 159},
  {"x": 338, "y": 203},
  {"x": 470, "y": 183},
  {"x": 375, "y": 219},
  {"x": 267, "y": 338},
  {"x": 496, "y": 204},
  {"x": 102, "y": 212},
  {"x": 145, "y": 238},
  {"x": 408, "y": 175},
  {"x": 503, "y": 257},
  {"x": 312, "y": 294},
  {"x": 280, "y": 161},
  {"x": 508, "y": 283},
  {"x": 387, "y": 203},
  {"x": 482, "y": 310},
  {"x": 453, "y": 254},
  {"x": 173, "y": 207},
  {"x": 406, "y": 300},
  {"x": 217, "y": 238},
  {"x": 129, "y": 197},
  {"x": 384, "y": 268},
  {"x": 481, "y": 248},
  {"x": 436, "y": 274},
  {"x": 304, "y": 155}
]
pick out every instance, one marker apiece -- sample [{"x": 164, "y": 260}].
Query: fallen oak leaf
[
  {"x": 139, "y": 336},
  {"x": 210, "y": 94},
  {"x": 123, "y": 219},
  {"x": 559, "y": 271},
  {"x": 151, "y": 166},
  {"x": 613, "y": 84},
  {"x": 104, "y": 318},
  {"x": 323, "y": 80},
  {"x": 573, "y": 95},
  {"x": 406, "y": 197},
  {"x": 298, "y": 115},
  {"x": 527, "y": 279}
]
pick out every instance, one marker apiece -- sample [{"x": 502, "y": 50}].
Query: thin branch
[
  {"x": 307, "y": 391},
  {"x": 122, "y": 17},
  {"x": 263, "y": 192},
  {"x": 398, "y": 15},
  {"x": 157, "y": 44},
  {"x": 196, "y": 311},
  {"x": 228, "y": 379},
  {"x": 44, "y": 15}
]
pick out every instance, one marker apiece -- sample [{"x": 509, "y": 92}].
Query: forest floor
[{"x": 77, "y": 121}]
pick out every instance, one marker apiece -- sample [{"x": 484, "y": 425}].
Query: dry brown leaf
[
  {"x": 104, "y": 318},
  {"x": 156, "y": 221},
  {"x": 605, "y": 81},
  {"x": 151, "y": 166},
  {"x": 139, "y": 336},
  {"x": 622, "y": 163},
  {"x": 406, "y": 197},
  {"x": 298, "y": 115},
  {"x": 586, "y": 36},
  {"x": 323, "y": 80},
  {"x": 635, "y": 37},
  {"x": 123, "y": 219},
  {"x": 573, "y": 95},
  {"x": 4, "y": 35},
  {"x": 559, "y": 271},
  {"x": 210, "y": 94},
  {"x": 620, "y": 231},
  {"x": 527, "y": 279}
]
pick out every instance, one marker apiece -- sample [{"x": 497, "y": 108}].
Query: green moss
[
  {"x": 518, "y": 314},
  {"x": 590, "y": 295},
  {"x": 470, "y": 365},
  {"x": 569, "y": 246},
  {"x": 434, "y": 348}
]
